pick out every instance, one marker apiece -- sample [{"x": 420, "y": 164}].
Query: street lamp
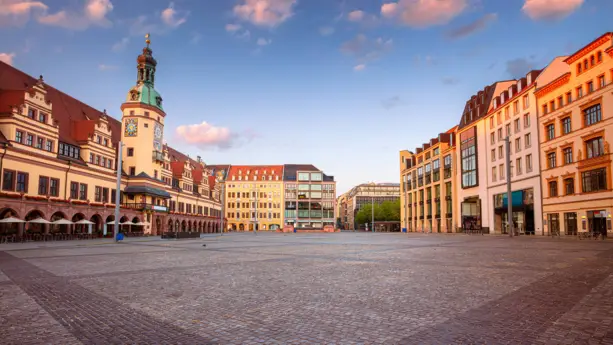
[{"x": 219, "y": 178}]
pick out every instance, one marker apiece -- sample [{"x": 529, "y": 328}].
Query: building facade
[
  {"x": 575, "y": 122},
  {"x": 428, "y": 185},
  {"x": 367, "y": 194},
  {"x": 310, "y": 197},
  {"x": 513, "y": 115},
  {"x": 59, "y": 160}
]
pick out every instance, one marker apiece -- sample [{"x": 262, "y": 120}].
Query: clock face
[
  {"x": 158, "y": 131},
  {"x": 131, "y": 128}
]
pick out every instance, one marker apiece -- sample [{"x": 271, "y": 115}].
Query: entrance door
[
  {"x": 570, "y": 223},
  {"x": 554, "y": 223},
  {"x": 449, "y": 225},
  {"x": 438, "y": 225},
  {"x": 597, "y": 222}
]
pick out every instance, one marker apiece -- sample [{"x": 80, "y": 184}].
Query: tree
[{"x": 388, "y": 211}]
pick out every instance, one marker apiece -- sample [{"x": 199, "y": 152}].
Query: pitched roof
[
  {"x": 290, "y": 171},
  {"x": 66, "y": 109},
  {"x": 256, "y": 170}
]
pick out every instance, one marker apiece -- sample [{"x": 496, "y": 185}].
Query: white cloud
[
  {"x": 356, "y": 16},
  {"x": 423, "y": 13},
  {"x": 264, "y": 42},
  {"x": 326, "y": 30},
  {"x": 268, "y": 13},
  {"x": 205, "y": 135},
  {"x": 359, "y": 67},
  {"x": 233, "y": 27},
  {"x": 104, "y": 67},
  {"x": 18, "y": 12},
  {"x": 121, "y": 45},
  {"x": 94, "y": 13},
  {"x": 238, "y": 31},
  {"x": 172, "y": 17},
  {"x": 7, "y": 58},
  {"x": 366, "y": 50},
  {"x": 550, "y": 9},
  {"x": 195, "y": 38}
]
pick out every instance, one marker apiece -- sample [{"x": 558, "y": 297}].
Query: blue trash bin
[
  {"x": 404, "y": 229},
  {"x": 120, "y": 236}
]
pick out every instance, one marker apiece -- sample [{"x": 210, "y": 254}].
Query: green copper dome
[{"x": 146, "y": 94}]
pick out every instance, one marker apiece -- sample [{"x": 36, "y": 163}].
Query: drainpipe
[
  {"x": 2, "y": 160},
  {"x": 66, "y": 180}
]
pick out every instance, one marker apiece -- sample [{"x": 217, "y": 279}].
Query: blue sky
[{"x": 343, "y": 85}]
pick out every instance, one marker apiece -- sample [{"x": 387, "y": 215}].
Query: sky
[{"x": 341, "y": 84}]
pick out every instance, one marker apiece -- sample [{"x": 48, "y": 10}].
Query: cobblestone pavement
[{"x": 347, "y": 288}]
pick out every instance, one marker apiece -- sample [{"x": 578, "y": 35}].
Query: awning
[
  {"x": 39, "y": 221},
  {"x": 12, "y": 220},
  {"x": 62, "y": 222},
  {"x": 147, "y": 191}
]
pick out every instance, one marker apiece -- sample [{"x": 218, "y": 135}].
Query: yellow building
[
  {"x": 59, "y": 161},
  {"x": 575, "y": 124},
  {"x": 427, "y": 186},
  {"x": 254, "y": 197}
]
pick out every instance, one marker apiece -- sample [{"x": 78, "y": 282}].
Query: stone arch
[
  {"x": 9, "y": 228},
  {"x": 158, "y": 226},
  {"x": 241, "y": 227},
  {"x": 58, "y": 228},
  {"x": 110, "y": 228},
  {"x": 233, "y": 226},
  {"x": 183, "y": 225},
  {"x": 98, "y": 223},
  {"x": 200, "y": 226},
  {"x": 124, "y": 228},
  {"x": 189, "y": 225},
  {"x": 33, "y": 227},
  {"x": 177, "y": 226},
  {"x": 137, "y": 228},
  {"x": 79, "y": 228},
  {"x": 171, "y": 224}
]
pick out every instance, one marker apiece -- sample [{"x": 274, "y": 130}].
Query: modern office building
[
  {"x": 428, "y": 184},
  {"x": 59, "y": 160},
  {"x": 575, "y": 135},
  {"x": 310, "y": 197},
  {"x": 513, "y": 114},
  {"x": 367, "y": 194}
]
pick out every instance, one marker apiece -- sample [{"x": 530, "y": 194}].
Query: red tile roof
[{"x": 250, "y": 170}]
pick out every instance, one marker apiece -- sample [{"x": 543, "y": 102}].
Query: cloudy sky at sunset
[{"x": 341, "y": 84}]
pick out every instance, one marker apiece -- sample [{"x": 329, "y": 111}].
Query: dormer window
[
  {"x": 599, "y": 56},
  {"x": 42, "y": 117},
  {"x": 134, "y": 95}
]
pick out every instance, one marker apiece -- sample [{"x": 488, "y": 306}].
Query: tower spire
[{"x": 146, "y": 64}]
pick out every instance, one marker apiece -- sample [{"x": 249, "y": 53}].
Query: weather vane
[{"x": 147, "y": 40}]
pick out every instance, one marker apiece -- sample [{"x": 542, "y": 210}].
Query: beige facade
[
  {"x": 575, "y": 122},
  {"x": 366, "y": 194},
  {"x": 428, "y": 186}
]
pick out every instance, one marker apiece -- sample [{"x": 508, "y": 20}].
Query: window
[
  {"x": 43, "y": 185},
  {"x": 579, "y": 68},
  {"x": 592, "y": 60},
  {"x": 109, "y": 163},
  {"x": 517, "y": 126},
  {"x": 560, "y": 102},
  {"x": 518, "y": 166},
  {"x": 566, "y": 125},
  {"x": 492, "y": 122},
  {"x": 569, "y": 97},
  {"x": 550, "y": 131},
  {"x": 97, "y": 160},
  {"x": 103, "y": 161},
  {"x": 493, "y": 155},
  {"x": 508, "y": 129},
  {"x": 31, "y": 113},
  {"x": 499, "y": 134},
  {"x": 506, "y": 113},
  {"x": 22, "y": 182},
  {"x": 516, "y": 107},
  {"x": 42, "y": 117},
  {"x": 594, "y": 180},
  {"x": 592, "y": 115},
  {"x": 492, "y": 138},
  {"x": 469, "y": 162},
  {"x": 74, "y": 190},
  {"x": 569, "y": 186},
  {"x": 132, "y": 171},
  {"x": 303, "y": 176},
  {"x": 54, "y": 187},
  {"x": 39, "y": 142},
  {"x": 551, "y": 160},
  {"x": 599, "y": 55},
  {"x": 517, "y": 144},
  {"x": 83, "y": 191},
  {"x": 568, "y": 155},
  {"x": 552, "y": 105},
  {"x": 590, "y": 87},
  {"x": 553, "y": 188},
  {"x": 527, "y": 140},
  {"x": 528, "y": 163},
  {"x": 499, "y": 118},
  {"x": 49, "y": 146},
  {"x": 501, "y": 171},
  {"x": 98, "y": 194},
  {"x": 594, "y": 147},
  {"x": 106, "y": 142},
  {"x": 8, "y": 180},
  {"x": 29, "y": 139},
  {"x": 579, "y": 92},
  {"x": 499, "y": 151},
  {"x": 526, "y": 120},
  {"x": 545, "y": 109},
  {"x": 494, "y": 174},
  {"x": 91, "y": 158},
  {"x": 130, "y": 151},
  {"x": 526, "y": 101},
  {"x": 105, "y": 195},
  {"x": 18, "y": 136},
  {"x": 601, "y": 82}
]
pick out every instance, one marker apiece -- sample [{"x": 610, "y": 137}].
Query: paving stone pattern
[{"x": 347, "y": 288}]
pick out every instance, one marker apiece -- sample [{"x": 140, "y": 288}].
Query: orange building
[
  {"x": 576, "y": 130},
  {"x": 58, "y": 161}
]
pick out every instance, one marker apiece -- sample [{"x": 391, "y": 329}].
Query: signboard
[{"x": 160, "y": 208}]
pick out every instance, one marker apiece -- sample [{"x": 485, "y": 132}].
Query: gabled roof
[{"x": 256, "y": 170}]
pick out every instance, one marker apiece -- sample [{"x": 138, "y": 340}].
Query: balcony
[
  {"x": 139, "y": 206},
  {"x": 158, "y": 156}
]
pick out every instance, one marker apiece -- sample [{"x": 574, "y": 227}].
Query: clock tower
[{"x": 142, "y": 121}]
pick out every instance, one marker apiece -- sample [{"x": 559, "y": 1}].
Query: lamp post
[
  {"x": 373, "y": 213},
  {"x": 507, "y": 142},
  {"x": 219, "y": 179},
  {"x": 117, "y": 194}
]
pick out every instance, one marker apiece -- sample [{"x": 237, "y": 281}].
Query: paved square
[{"x": 343, "y": 288}]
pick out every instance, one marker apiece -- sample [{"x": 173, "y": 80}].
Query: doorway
[
  {"x": 597, "y": 222},
  {"x": 554, "y": 223},
  {"x": 570, "y": 223}
]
